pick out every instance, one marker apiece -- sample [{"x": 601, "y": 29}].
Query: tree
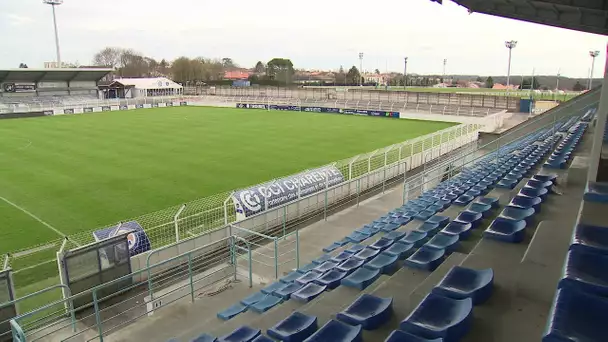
[
  {"x": 22, "y": 66},
  {"x": 228, "y": 63},
  {"x": 280, "y": 69},
  {"x": 377, "y": 72},
  {"x": 108, "y": 57},
  {"x": 578, "y": 86},
  {"x": 527, "y": 81},
  {"x": 489, "y": 82},
  {"x": 259, "y": 67},
  {"x": 181, "y": 69},
  {"x": 132, "y": 64},
  {"x": 353, "y": 76},
  {"x": 340, "y": 76},
  {"x": 479, "y": 79}
]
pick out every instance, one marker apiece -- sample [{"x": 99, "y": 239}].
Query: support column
[{"x": 598, "y": 137}]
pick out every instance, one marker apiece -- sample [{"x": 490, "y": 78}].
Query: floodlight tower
[
  {"x": 54, "y": 3},
  {"x": 510, "y": 45},
  {"x": 360, "y": 68},
  {"x": 445, "y": 62},
  {"x": 593, "y": 54},
  {"x": 404, "y": 72}
]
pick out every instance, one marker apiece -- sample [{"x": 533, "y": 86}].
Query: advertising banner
[
  {"x": 183, "y": 103},
  {"x": 88, "y": 109},
  {"x": 48, "y": 112},
  {"x": 265, "y": 196},
  {"x": 139, "y": 106},
  {"x": 366, "y": 112},
  {"x": 68, "y": 111},
  {"x": 124, "y": 107},
  {"x": 106, "y": 108},
  {"x": 169, "y": 104}
]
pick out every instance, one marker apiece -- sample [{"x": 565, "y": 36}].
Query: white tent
[{"x": 147, "y": 87}]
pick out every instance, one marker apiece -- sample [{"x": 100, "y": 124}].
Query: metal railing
[{"x": 188, "y": 273}]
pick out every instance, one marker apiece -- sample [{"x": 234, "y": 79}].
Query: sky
[{"x": 314, "y": 34}]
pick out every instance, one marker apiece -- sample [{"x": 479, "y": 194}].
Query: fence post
[
  {"x": 284, "y": 218},
  {"x": 226, "y": 208},
  {"x": 175, "y": 221},
  {"x": 358, "y": 189},
  {"x": 297, "y": 249},
  {"x": 97, "y": 316},
  {"x": 350, "y": 167},
  {"x": 326, "y": 191},
  {"x": 276, "y": 259},
  {"x": 190, "y": 277},
  {"x": 406, "y": 189},
  {"x": 384, "y": 173}
]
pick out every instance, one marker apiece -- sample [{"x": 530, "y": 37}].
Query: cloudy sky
[{"x": 321, "y": 34}]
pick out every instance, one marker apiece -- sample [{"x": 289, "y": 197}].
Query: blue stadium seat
[
  {"x": 252, "y": 299},
  {"x": 370, "y": 312},
  {"x": 545, "y": 178},
  {"x": 395, "y": 235},
  {"x": 383, "y": 262},
  {"x": 425, "y": 215},
  {"x": 291, "y": 277},
  {"x": 286, "y": 291},
  {"x": 441, "y": 221},
  {"x": 416, "y": 238},
  {"x": 488, "y": 200},
  {"x": 534, "y": 192},
  {"x": 462, "y": 229},
  {"x": 331, "y": 279},
  {"x": 586, "y": 271},
  {"x": 389, "y": 227},
  {"x": 231, "y": 311},
  {"x": 402, "y": 336},
  {"x": 429, "y": 228},
  {"x": 539, "y": 184},
  {"x": 342, "y": 256},
  {"x": 308, "y": 292},
  {"x": 367, "y": 254},
  {"x": 463, "y": 200},
  {"x": 483, "y": 209},
  {"x": 507, "y": 183},
  {"x": 506, "y": 230},
  {"x": 323, "y": 258},
  {"x": 517, "y": 214},
  {"x": 350, "y": 265},
  {"x": 461, "y": 283},
  {"x": 361, "y": 278},
  {"x": 266, "y": 304},
  {"x": 355, "y": 237},
  {"x": 241, "y": 334},
  {"x": 295, "y": 328},
  {"x": 440, "y": 317},
  {"x": 576, "y": 316},
  {"x": 382, "y": 243},
  {"x": 466, "y": 216},
  {"x": 400, "y": 250},
  {"x": 273, "y": 287},
  {"x": 262, "y": 338},
  {"x": 336, "y": 331},
  {"x": 306, "y": 268},
  {"x": 596, "y": 192},
  {"x": 326, "y": 266},
  {"x": 525, "y": 202},
  {"x": 426, "y": 259},
  {"x": 204, "y": 338},
  {"x": 331, "y": 247},
  {"x": 447, "y": 242},
  {"x": 355, "y": 248},
  {"x": 308, "y": 277},
  {"x": 590, "y": 238}
]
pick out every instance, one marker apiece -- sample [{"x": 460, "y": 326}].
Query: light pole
[
  {"x": 593, "y": 54},
  {"x": 511, "y": 44},
  {"x": 445, "y": 62},
  {"x": 361, "y": 69},
  {"x": 404, "y": 72},
  {"x": 54, "y": 3},
  {"x": 557, "y": 83}
]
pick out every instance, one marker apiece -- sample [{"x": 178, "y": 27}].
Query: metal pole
[
  {"x": 404, "y": 72},
  {"x": 56, "y": 37},
  {"x": 600, "y": 126},
  {"x": 97, "y": 316},
  {"x": 593, "y": 54},
  {"x": 276, "y": 260},
  {"x": 297, "y": 248},
  {"x": 175, "y": 222},
  {"x": 190, "y": 277}
]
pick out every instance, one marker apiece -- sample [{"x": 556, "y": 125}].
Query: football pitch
[{"x": 67, "y": 174}]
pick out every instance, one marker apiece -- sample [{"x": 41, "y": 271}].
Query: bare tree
[{"x": 108, "y": 57}]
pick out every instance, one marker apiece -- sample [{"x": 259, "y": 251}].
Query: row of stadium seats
[{"x": 420, "y": 235}]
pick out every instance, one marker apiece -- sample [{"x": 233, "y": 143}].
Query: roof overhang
[
  {"x": 581, "y": 15},
  {"x": 40, "y": 75}
]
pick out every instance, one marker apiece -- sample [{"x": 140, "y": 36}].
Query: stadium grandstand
[{"x": 499, "y": 236}]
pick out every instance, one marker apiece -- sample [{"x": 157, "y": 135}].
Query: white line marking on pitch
[{"x": 34, "y": 217}]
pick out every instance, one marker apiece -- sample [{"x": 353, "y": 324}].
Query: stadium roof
[
  {"x": 581, "y": 15},
  {"x": 38, "y": 75}
]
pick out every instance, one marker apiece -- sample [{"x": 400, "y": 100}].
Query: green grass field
[{"x": 76, "y": 173}]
